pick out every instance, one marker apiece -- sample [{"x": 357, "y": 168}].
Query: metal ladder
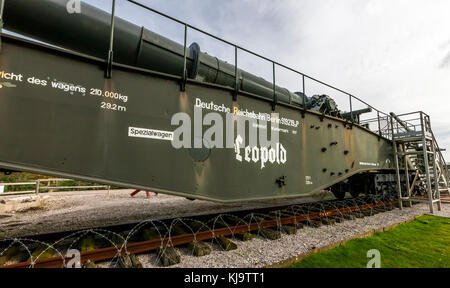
[{"x": 415, "y": 144}]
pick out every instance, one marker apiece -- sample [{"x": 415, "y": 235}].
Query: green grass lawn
[{"x": 422, "y": 243}]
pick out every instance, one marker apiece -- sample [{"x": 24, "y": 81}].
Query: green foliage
[
  {"x": 87, "y": 244},
  {"x": 18, "y": 177},
  {"x": 422, "y": 243}
]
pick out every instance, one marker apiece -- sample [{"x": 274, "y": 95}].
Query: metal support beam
[
  {"x": 184, "y": 80},
  {"x": 413, "y": 185},
  {"x": 408, "y": 186},
  {"x": 2, "y": 7},
  {"x": 236, "y": 76},
  {"x": 275, "y": 98},
  {"x": 351, "y": 107},
  {"x": 304, "y": 96},
  {"x": 436, "y": 193},
  {"x": 397, "y": 168},
  {"x": 427, "y": 167},
  {"x": 379, "y": 124},
  {"x": 109, "y": 61}
]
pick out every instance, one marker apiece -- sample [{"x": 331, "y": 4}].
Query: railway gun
[{"x": 94, "y": 97}]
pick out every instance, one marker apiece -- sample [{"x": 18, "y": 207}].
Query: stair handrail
[{"x": 442, "y": 162}]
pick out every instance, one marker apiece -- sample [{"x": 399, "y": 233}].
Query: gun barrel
[
  {"x": 356, "y": 114},
  {"x": 401, "y": 122}
]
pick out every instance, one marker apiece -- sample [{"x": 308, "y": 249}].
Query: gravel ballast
[{"x": 259, "y": 252}]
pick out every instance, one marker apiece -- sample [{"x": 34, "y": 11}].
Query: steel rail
[{"x": 154, "y": 244}]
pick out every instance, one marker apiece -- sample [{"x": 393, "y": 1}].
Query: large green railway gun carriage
[{"x": 60, "y": 115}]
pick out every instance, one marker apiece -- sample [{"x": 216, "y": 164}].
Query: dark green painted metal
[{"x": 47, "y": 130}]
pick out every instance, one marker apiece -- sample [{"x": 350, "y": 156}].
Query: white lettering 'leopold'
[{"x": 263, "y": 154}]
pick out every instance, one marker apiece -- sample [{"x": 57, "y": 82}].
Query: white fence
[{"x": 39, "y": 187}]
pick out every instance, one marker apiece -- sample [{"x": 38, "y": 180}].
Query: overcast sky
[{"x": 394, "y": 54}]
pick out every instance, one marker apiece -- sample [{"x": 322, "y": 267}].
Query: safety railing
[
  {"x": 414, "y": 124},
  {"x": 444, "y": 166},
  {"x": 383, "y": 124},
  {"x": 47, "y": 188}
]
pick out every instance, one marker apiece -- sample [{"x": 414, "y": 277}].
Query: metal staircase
[{"x": 416, "y": 151}]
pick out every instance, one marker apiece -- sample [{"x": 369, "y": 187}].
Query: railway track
[{"x": 123, "y": 242}]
